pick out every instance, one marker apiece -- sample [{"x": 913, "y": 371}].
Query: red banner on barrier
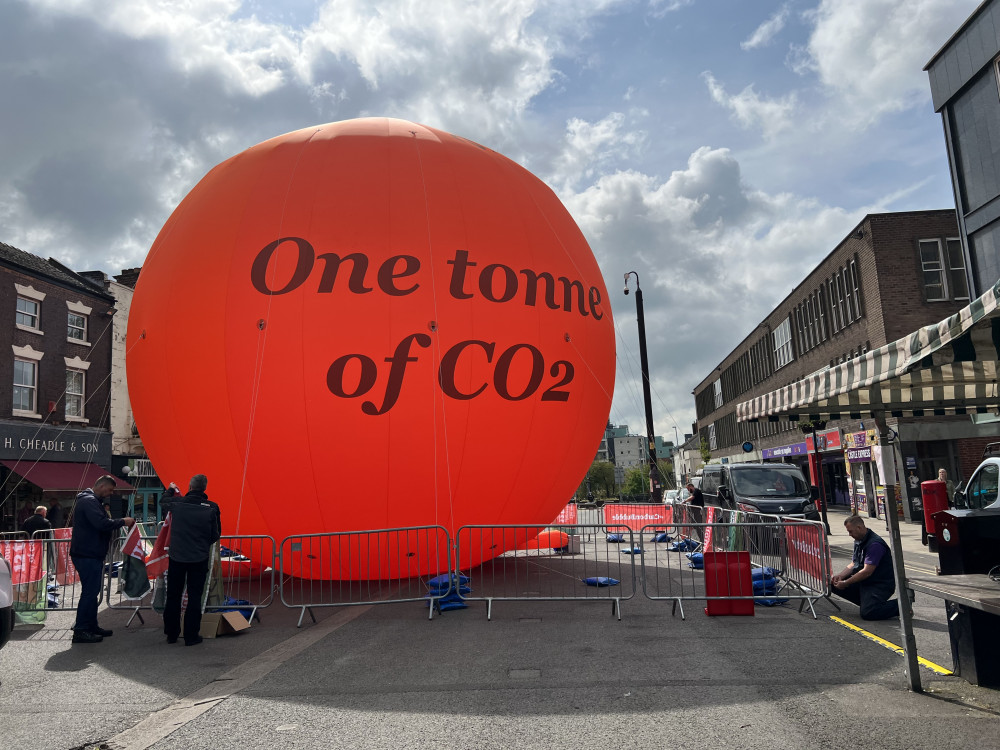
[
  {"x": 65, "y": 570},
  {"x": 27, "y": 560},
  {"x": 709, "y": 518},
  {"x": 567, "y": 515},
  {"x": 636, "y": 516},
  {"x": 805, "y": 550}
]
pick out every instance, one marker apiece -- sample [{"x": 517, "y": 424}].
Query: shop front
[{"x": 45, "y": 465}]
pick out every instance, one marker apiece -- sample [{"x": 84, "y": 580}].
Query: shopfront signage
[
  {"x": 864, "y": 439},
  {"x": 827, "y": 441},
  {"x": 798, "y": 449},
  {"x": 859, "y": 455},
  {"x": 45, "y": 443}
]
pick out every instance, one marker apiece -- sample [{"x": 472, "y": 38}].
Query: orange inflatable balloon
[{"x": 372, "y": 324}]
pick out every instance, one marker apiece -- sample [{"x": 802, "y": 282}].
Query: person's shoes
[
  {"x": 104, "y": 633},
  {"x": 171, "y": 639},
  {"x": 82, "y": 636},
  {"x": 194, "y": 641}
]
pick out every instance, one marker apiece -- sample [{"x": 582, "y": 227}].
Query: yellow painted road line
[{"x": 937, "y": 668}]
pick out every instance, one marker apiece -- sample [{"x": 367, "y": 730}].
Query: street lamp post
[{"x": 655, "y": 483}]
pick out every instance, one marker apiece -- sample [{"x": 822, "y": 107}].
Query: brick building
[
  {"x": 892, "y": 274},
  {"x": 55, "y": 435}
]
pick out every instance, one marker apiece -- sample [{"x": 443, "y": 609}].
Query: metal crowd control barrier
[
  {"x": 245, "y": 579},
  {"x": 247, "y": 574},
  {"x": 793, "y": 553},
  {"x": 59, "y": 579},
  {"x": 531, "y": 572},
  {"x": 380, "y": 566}
]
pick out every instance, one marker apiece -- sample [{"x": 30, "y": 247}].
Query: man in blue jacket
[{"x": 92, "y": 528}]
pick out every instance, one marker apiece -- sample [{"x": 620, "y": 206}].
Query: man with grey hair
[
  {"x": 868, "y": 579},
  {"x": 195, "y": 525}
]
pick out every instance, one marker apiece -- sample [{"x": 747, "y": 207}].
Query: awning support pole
[{"x": 892, "y": 519}]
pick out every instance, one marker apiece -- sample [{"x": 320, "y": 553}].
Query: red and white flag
[
  {"x": 157, "y": 563},
  {"x": 133, "y": 546}
]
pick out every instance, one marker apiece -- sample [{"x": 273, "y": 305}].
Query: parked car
[
  {"x": 670, "y": 497},
  {"x": 983, "y": 490},
  {"x": 6, "y": 602},
  {"x": 777, "y": 489}
]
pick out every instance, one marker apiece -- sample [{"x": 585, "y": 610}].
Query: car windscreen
[{"x": 768, "y": 481}]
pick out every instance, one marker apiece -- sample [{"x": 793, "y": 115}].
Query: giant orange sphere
[{"x": 372, "y": 324}]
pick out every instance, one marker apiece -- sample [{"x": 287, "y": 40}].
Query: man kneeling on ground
[{"x": 868, "y": 580}]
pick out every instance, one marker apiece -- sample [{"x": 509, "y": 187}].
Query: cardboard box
[{"x": 214, "y": 624}]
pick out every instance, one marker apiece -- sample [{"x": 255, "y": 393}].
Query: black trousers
[
  {"x": 873, "y": 599},
  {"x": 193, "y": 576}
]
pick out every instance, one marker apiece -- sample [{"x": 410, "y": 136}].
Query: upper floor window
[
  {"x": 75, "y": 396},
  {"x": 943, "y": 270},
  {"x": 718, "y": 392},
  {"x": 26, "y": 362},
  {"x": 25, "y": 385},
  {"x": 783, "y": 344},
  {"x": 28, "y": 312},
  {"x": 77, "y": 327},
  {"x": 76, "y": 322},
  {"x": 29, "y": 308}
]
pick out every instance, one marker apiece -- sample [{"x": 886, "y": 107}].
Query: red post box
[{"x": 935, "y": 498}]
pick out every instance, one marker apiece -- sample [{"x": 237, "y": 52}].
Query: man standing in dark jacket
[
  {"x": 89, "y": 546},
  {"x": 868, "y": 580},
  {"x": 37, "y": 521},
  {"x": 195, "y": 524}
]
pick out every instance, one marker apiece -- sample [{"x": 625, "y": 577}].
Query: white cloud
[
  {"x": 714, "y": 256},
  {"x": 750, "y": 109},
  {"x": 869, "y": 54},
  {"x": 764, "y": 33}
]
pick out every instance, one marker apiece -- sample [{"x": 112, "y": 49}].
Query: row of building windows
[
  {"x": 26, "y": 389},
  {"x": 28, "y": 317},
  {"x": 830, "y": 308},
  {"x": 28, "y": 314},
  {"x": 726, "y": 432}
]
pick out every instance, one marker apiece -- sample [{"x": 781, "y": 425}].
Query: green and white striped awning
[{"x": 946, "y": 368}]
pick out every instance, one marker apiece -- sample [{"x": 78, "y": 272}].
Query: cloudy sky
[{"x": 719, "y": 148}]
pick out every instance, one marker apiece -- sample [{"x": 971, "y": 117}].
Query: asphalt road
[{"x": 538, "y": 675}]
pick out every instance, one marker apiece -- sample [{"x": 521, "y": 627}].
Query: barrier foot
[
  {"x": 673, "y": 611},
  {"x": 432, "y": 605},
  {"x": 303, "y": 616},
  {"x": 489, "y": 609},
  {"x": 135, "y": 613},
  {"x": 811, "y": 608},
  {"x": 254, "y": 613},
  {"x": 616, "y": 608}
]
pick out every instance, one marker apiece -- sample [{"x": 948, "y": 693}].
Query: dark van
[{"x": 778, "y": 489}]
